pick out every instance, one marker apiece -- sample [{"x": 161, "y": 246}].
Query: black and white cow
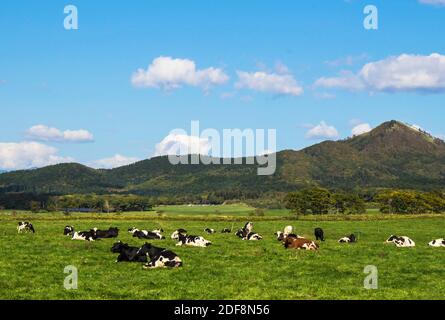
[
  {"x": 226, "y": 230},
  {"x": 68, "y": 231},
  {"x": 243, "y": 232},
  {"x": 25, "y": 226},
  {"x": 144, "y": 234},
  {"x": 287, "y": 233},
  {"x": 84, "y": 235},
  {"x": 437, "y": 243},
  {"x": 253, "y": 236},
  {"x": 281, "y": 236},
  {"x": 160, "y": 257},
  {"x": 209, "y": 231},
  {"x": 192, "y": 241},
  {"x": 105, "y": 234},
  {"x": 129, "y": 254},
  {"x": 176, "y": 233},
  {"x": 402, "y": 241},
  {"x": 349, "y": 239},
  {"x": 319, "y": 234},
  {"x": 246, "y": 233}
]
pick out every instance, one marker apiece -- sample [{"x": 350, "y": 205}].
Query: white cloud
[
  {"x": 168, "y": 74},
  {"x": 269, "y": 82},
  {"x": 404, "y": 73},
  {"x": 180, "y": 144},
  {"x": 348, "y": 61},
  {"x": 322, "y": 131},
  {"x": 113, "y": 162},
  {"x": 361, "y": 128},
  {"x": 346, "y": 80},
  {"x": 433, "y": 2},
  {"x": 44, "y": 133},
  {"x": 25, "y": 155}
]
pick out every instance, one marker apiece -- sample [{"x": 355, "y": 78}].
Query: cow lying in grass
[
  {"x": 300, "y": 244},
  {"x": 85, "y": 235},
  {"x": 25, "y": 226},
  {"x": 192, "y": 241},
  {"x": 209, "y": 231},
  {"x": 287, "y": 233},
  {"x": 105, "y": 234},
  {"x": 130, "y": 254},
  {"x": 349, "y": 239},
  {"x": 401, "y": 242},
  {"x": 281, "y": 236},
  {"x": 160, "y": 258},
  {"x": 176, "y": 233},
  {"x": 437, "y": 243},
  {"x": 246, "y": 233},
  {"x": 144, "y": 234},
  {"x": 226, "y": 230}
]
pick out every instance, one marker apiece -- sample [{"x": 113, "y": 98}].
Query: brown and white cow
[{"x": 300, "y": 244}]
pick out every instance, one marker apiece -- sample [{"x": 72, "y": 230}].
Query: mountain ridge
[{"x": 392, "y": 155}]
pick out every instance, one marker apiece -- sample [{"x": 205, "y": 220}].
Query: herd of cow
[{"x": 155, "y": 257}]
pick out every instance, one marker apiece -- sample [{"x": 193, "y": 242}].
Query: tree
[{"x": 313, "y": 200}]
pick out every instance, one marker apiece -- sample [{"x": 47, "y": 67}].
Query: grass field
[{"x": 32, "y": 265}]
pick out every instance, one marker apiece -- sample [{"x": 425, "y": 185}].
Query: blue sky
[{"x": 303, "y": 64}]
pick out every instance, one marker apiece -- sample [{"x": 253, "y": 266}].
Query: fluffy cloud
[
  {"x": 346, "y": 80},
  {"x": 404, "y": 73},
  {"x": 277, "y": 83},
  {"x": 322, "y": 131},
  {"x": 25, "y": 155},
  {"x": 361, "y": 128},
  {"x": 113, "y": 162},
  {"x": 433, "y": 2},
  {"x": 180, "y": 144},
  {"x": 45, "y": 133},
  {"x": 168, "y": 74}
]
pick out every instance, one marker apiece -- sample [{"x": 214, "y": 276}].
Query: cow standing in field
[
  {"x": 160, "y": 257},
  {"x": 300, "y": 244},
  {"x": 401, "y": 242},
  {"x": 25, "y": 226},
  {"x": 319, "y": 234}
]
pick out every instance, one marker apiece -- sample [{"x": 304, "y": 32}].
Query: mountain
[{"x": 391, "y": 155}]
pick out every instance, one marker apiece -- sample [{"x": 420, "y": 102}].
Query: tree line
[
  {"x": 313, "y": 200},
  {"x": 323, "y": 201}
]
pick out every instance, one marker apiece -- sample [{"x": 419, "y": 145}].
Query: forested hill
[{"x": 391, "y": 155}]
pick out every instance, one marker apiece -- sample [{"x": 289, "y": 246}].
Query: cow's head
[
  {"x": 392, "y": 238},
  {"x": 118, "y": 247}
]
